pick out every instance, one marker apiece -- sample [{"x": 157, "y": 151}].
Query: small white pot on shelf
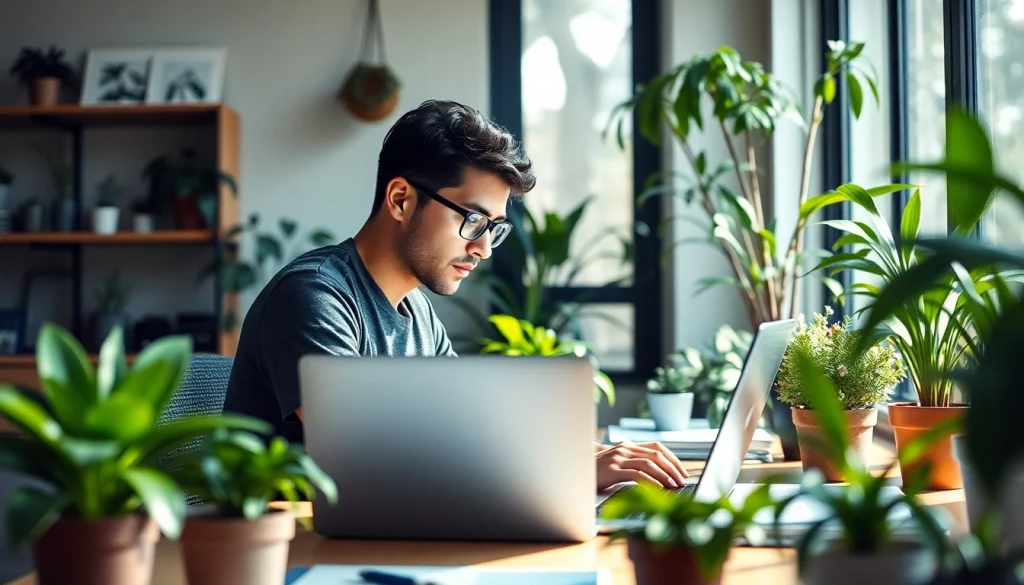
[
  {"x": 670, "y": 411},
  {"x": 105, "y": 219},
  {"x": 143, "y": 222}
]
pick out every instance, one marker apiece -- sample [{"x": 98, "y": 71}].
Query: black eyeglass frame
[{"x": 465, "y": 213}]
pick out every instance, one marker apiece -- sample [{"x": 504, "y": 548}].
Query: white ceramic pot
[
  {"x": 104, "y": 220},
  {"x": 142, "y": 222},
  {"x": 671, "y": 412},
  {"x": 977, "y": 500},
  {"x": 901, "y": 564}
]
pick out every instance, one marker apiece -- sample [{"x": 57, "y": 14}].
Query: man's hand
[{"x": 651, "y": 462}]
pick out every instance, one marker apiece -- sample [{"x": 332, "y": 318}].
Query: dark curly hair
[{"x": 434, "y": 143}]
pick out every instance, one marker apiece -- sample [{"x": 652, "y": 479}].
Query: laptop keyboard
[{"x": 685, "y": 489}]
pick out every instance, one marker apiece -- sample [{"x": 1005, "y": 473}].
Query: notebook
[
  {"x": 349, "y": 575},
  {"x": 692, "y": 443}
]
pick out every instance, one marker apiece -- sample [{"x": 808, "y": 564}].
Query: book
[{"x": 458, "y": 575}]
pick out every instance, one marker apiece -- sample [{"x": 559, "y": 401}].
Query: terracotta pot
[
  {"x": 186, "y": 213},
  {"x": 236, "y": 551},
  {"x": 900, "y": 564},
  {"x": 809, "y": 434},
  {"x": 671, "y": 566},
  {"x": 908, "y": 420},
  {"x": 44, "y": 91},
  {"x": 107, "y": 551}
]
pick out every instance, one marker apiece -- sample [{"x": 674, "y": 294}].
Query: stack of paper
[
  {"x": 693, "y": 443},
  {"x": 349, "y": 575}
]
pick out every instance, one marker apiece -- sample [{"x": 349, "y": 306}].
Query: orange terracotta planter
[
  {"x": 671, "y": 566},
  {"x": 236, "y": 551},
  {"x": 861, "y": 424},
  {"x": 908, "y": 421},
  {"x": 118, "y": 550}
]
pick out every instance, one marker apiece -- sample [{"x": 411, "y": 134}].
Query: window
[
  {"x": 559, "y": 67},
  {"x": 1001, "y": 102}
]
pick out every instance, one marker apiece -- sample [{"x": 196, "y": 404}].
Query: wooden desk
[{"x": 746, "y": 565}]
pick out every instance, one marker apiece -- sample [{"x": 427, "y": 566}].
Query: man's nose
[{"x": 481, "y": 247}]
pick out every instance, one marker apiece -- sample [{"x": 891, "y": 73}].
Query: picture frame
[
  {"x": 116, "y": 76},
  {"x": 187, "y": 76},
  {"x": 12, "y": 331}
]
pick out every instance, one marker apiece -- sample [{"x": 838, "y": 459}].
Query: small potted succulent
[
  {"x": 235, "y": 537},
  {"x": 107, "y": 214},
  {"x": 93, "y": 441},
  {"x": 670, "y": 392},
  {"x": 681, "y": 539},
  {"x": 861, "y": 380},
  {"x": 44, "y": 72}
]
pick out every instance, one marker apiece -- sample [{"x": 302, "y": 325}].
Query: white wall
[{"x": 302, "y": 155}]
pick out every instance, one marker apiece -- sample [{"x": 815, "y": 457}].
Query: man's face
[{"x": 431, "y": 246}]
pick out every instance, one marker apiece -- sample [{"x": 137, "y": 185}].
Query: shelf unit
[{"x": 74, "y": 120}]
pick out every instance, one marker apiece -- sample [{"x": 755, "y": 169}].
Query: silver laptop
[{"x": 469, "y": 448}]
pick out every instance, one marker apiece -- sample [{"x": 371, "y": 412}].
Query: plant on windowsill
[
  {"x": 670, "y": 391},
  {"x": 991, "y": 455},
  {"x": 861, "y": 380},
  {"x": 874, "y": 543},
  {"x": 681, "y": 539},
  {"x": 522, "y": 338},
  {"x": 235, "y": 537},
  {"x": 93, "y": 442}
]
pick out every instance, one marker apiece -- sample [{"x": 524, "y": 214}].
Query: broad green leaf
[
  {"x": 30, "y": 417},
  {"x": 510, "y": 328},
  {"x": 60, "y": 357},
  {"x": 828, "y": 88},
  {"x": 112, "y": 364},
  {"x": 30, "y": 512},
  {"x": 288, "y": 227},
  {"x": 769, "y": 239},
  {"x": 742, "y": 206},
  {"x": 161, "y": 496},
  {"x": 910, "y": 225},
  {"x": 605, "y": 385},
  {"x": 967, "y": 146},
  {"x": 31, "y": 458},
  {"x": 858, "y": 195},
  {"x": 836, "y": 288},
  {"x": 267, "y": 247},
  {"x": 126, "y": 416},
  {"x": 175, "y": 351},
  {"x": 856, "y": 94},
  {"x": 321, "y": 238}
]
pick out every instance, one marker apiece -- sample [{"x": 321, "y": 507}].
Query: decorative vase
[
  {"x": 236, "y": 551},
  {"x": 186, "y": 213},
  {"x": 106, "y": 551},
  {"x": 670, "y": 411},
  {"x": 44, "y": 91},
  {"x": 105, "y": 220},
  {"x": 668, "y": 566},
  {"x": 143, "y": 222},
  {"x": 900, "y": 564},
  {"x": 1011, "y": 509},
  {"x": 908, "y": 421},
  {"x": 861, "y": 424}
]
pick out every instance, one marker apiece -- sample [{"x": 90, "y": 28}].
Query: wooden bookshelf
[
  {"x": 123, "y": 238},
  {"x": 74, "y": 116}
]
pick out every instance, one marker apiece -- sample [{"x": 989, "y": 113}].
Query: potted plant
[
  {"x": 191, "y": 184},
  {"x": 144, "y": 215},
  {"x": 670, "y": 391},
  {"x": 682, "y": 539},
  {"x": 111, "y": 301},
  {"x": 106, "y": 214},
  {"x": 43, "y": 73},
  {"x": 523, "y": 338},
  {"x": 64, "y": 210},
  {"x": 871, "y": 545},
  {"x": 235, "y": 538},
  {"x": 92, "y": 441},
  {"x": 6, "y": 179},
  {"x": 861, "y": 379},
  {"x": 935, "y": 332}
]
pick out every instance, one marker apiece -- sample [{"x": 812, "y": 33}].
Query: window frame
[{"x": 644, "y": 294}]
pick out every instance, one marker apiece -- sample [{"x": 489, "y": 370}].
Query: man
[{"x": 444, "y": 178}]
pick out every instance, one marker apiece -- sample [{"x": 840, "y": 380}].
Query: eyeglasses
[{"x": 474, "y": 223}]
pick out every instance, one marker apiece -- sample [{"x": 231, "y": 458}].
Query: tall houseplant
[
  {"x": 748, "y": 104},
  {"x": 44, "y": 72},
  {"x": 95, "y": 447},
  {"x": 861, "y": 379}
]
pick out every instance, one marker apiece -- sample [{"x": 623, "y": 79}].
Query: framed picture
[
  {"x": 186, "y": 76},
  {"x": 12, "y": 331},
  {"x": 116, "y": 76}
]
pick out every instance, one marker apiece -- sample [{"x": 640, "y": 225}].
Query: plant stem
[
  {"x": 755, "y": 189},
  {"x": 797, "y": 242}
]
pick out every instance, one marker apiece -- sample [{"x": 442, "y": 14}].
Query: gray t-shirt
[{"x": 323, "y": 302}]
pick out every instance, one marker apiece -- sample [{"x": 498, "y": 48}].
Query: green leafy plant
[
  {"x": 109, "y": 192},
  {"x": 33, "y": 63},
  {"x": 679, "y": 375},
  {"x": 112, "y": 297},
  {"x": 677, "y": 520},
  {"x": 238, "y": 473},
  {"x": 522, "y": 338},
  {"x": 93, "y": 438},
  {"x": 860, "y": 509},
  {"x": 862, "y": 379},
  {"x": 748, "y": 104},
  {"x": 271, "y": 250},
  {"x": 186, "y": 175}
]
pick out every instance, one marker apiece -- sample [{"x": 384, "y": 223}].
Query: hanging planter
[{"x": 370, "y": 92}]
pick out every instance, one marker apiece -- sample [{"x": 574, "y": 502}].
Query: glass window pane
[
  {"x": 576, "y": 66},
  {"x": 926, "y": 86},
  {"x": 608, "y": 329},
  {"x": 1001, "y": 101}
]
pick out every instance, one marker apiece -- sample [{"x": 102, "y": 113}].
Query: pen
[{"x": 384, "y": 578}]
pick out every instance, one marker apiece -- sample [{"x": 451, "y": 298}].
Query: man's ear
[{"x": 399, "y": 199}]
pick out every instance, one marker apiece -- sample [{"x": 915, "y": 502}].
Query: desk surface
[{"x": 746, "y": 565}]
